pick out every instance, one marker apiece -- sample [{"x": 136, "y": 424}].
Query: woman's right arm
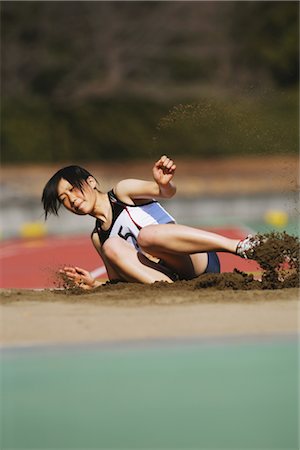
[
  {"x": 81, "y": 277},
  {"x": 111, "y": 273}
]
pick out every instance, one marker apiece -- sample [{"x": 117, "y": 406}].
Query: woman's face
[{"x": 77, "y": 201}]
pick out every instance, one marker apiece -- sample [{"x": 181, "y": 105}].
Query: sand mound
[{"x": 278, "y": 256}]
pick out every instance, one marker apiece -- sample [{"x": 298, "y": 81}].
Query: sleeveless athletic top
[{"x": 127, "y": 220}]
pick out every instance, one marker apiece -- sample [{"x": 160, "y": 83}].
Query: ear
[{"x": 91, "y": 182}]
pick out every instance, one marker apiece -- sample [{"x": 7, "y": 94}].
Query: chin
[
  {"x": 84, "y": 211},
  {"x": 80, "y": 212}
]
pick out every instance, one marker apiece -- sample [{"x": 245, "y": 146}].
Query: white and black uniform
[{"x": 127, "y": 220}]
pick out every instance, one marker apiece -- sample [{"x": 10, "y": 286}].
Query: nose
[{"x": 72, "y": 198}]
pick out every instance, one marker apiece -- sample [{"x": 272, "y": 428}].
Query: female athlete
[{"x": 138, "y": 240}]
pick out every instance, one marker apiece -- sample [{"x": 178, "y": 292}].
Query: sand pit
[
  {"x": 227, "y": 304},
  {"x": 131, "y": 311}
]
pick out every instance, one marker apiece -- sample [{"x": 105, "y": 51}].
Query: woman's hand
[
  {"x": 80, "y": 277},
  {"x": 164, "y": 170}
]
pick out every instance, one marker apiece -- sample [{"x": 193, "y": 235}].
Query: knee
[
  {"x": 146, "y": 237},
  {"x": 111, "y": 249}
]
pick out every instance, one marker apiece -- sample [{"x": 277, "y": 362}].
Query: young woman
[{"x": 135, "y": 236}]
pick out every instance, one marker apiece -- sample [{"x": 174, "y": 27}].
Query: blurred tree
[
  {"x": 266, "y": 37},
  {"x": 73, "y": 51},
  {"x": 91, "y": 79},
  {"x": 81, "y": 49}
]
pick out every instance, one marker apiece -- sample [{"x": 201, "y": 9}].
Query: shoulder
[
  {"x": 124, "y": 186},
  {"x": 124, "y": 190},
  {"x": 133, "y": 189}
]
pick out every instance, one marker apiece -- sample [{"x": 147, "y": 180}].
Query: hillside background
[{"x": 95, "y": 81}]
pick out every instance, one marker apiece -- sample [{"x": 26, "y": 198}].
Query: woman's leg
[
  {"x": 131, "y": 265},
  {"x": 183, "y": 248},
  {"x": 181, "y": 239},
  {"x": 186, "y": 266}
]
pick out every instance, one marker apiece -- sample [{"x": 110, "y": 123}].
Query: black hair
[{"x": 75, "y": 175}]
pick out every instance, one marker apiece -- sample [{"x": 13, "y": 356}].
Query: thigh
[
  {"x": 132, "y": 265},
  {"x": 186, "y": 266}
]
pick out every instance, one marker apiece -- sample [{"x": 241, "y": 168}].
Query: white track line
[
  {"x": 98, "y": 272},
  {"x": 24, "y": 248}
]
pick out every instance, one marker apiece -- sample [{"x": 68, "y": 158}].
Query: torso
[{"x": 127, "y": 220}]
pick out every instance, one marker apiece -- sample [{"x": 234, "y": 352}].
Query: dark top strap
[{"x": 117, "y": 207}]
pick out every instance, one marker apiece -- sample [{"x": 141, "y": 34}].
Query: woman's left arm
[{"x": 162, "y": 186}]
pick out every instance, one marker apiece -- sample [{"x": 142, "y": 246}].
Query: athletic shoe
[{"x": 247, "y": 245}]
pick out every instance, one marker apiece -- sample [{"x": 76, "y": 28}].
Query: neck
[{"x": 102, "y": 208}]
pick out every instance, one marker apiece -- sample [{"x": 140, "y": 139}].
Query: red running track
[{"x": 33, "y": 263}]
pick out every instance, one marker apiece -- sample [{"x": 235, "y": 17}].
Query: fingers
[
  {"x": 83, "y": 272},
  {"x": 74, "y": 273},
  {"x": 68, "y": 269},
  {"x": 80, "y": 277},
  {"x": 69, "y": 273},
  {"x": 166, "y": 164}
]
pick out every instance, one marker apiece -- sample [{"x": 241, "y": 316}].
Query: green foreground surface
[{"x": 234, "y": 394}]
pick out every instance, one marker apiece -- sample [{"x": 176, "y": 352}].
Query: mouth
[{"x": 78, "y": 206}]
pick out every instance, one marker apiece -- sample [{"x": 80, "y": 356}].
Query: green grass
[{"x": 238, "y": 395}]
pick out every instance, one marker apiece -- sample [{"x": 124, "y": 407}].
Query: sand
[{"x": 139, "y": 312}]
